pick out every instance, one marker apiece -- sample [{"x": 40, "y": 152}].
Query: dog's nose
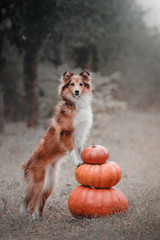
[{"x": 76, "y": 92}]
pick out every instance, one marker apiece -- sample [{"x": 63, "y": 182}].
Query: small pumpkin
[
  {"x": 99, "y": 176},
  {"x": 91, "y": 202},
  {"x": 95, "y": 154}
]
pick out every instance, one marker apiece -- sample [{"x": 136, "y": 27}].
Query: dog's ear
[
  {"x": 66, "y": 76},
  {"x": 86, "y": 76}
]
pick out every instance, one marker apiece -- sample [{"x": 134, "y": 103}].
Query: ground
[{"x": 133, "y": 141}]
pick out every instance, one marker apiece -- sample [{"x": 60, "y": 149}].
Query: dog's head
[{"x": 74, "y": 86}]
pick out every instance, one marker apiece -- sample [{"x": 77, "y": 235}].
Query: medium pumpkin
[
  {"x": 99, "y": 176},
  {"x": 91, "y": 202},
  {"x": 95, "y": 154}
]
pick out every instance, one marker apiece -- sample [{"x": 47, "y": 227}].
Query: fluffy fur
[{"x": 66, "y": 134}]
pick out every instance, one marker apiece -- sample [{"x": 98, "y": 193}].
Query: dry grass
[{"x": 133, "y": 140}]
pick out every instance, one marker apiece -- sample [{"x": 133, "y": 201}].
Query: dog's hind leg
[
  {"x": 35, "y": 186},
  {"x": 43, "y": 198},
  {"x": 36, "y": 192},
  {"x": 30, "y": 199},
  {"x": 49, "y": 186},
  {"x": 24, "y": 206}
]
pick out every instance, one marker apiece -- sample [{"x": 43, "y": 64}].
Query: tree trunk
[
  {"x": 57, "y": 49},
  {"x": 30, "y": 85},
  {"x": 95, "y": 60},
  {"x": 2, "y": 62},
  {"x": 1, "y": 109}
]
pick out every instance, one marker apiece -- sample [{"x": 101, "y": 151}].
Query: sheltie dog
[{"x": 66, "y": 134}]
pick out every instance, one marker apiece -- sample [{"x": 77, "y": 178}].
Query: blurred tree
[
  {"x": 4, "y": 26},
  {"x": 2, "y": 62},
  {"x": 82, "y": 31},
  {"x": 29, "y": 27}
]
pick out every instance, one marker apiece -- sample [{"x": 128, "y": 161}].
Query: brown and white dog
[{"x": 66, "y": 134}]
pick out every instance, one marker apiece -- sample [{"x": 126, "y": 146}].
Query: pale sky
[{"x": 153, "y": 16}]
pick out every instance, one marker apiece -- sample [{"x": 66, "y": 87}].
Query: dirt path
[{"x": 133, "y": 140}]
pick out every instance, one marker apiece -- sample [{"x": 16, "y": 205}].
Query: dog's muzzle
[{"x": 76, "y": 93}]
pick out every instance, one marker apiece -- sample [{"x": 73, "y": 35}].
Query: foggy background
[
  {"x": 152, "y": 18},
  {"x": 118, "y": 41}
]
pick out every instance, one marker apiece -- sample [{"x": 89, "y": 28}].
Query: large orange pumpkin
[
  {"x": 99, "y": 176},
  {"x": 95, "y": 154},
  {"x": 91, "y": 202}
]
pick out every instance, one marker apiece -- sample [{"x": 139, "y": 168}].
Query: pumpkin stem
[{"x": 93, "y": 143}]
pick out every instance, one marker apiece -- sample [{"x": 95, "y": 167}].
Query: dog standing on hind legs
[{"x": 66, "y": 134}]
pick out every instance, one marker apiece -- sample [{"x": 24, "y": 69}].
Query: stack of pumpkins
[{"x": 96, "y": 196}]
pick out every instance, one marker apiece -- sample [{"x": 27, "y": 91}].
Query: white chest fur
[{"x": 83, "y": 120}]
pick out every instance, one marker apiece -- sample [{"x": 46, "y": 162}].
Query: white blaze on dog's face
[{"x": 75, "y": 85}]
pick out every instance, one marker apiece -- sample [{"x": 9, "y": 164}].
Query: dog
[{"x": 66, "y": 135}]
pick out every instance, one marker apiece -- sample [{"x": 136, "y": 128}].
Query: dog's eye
[
  {"x": 81, "y": 84},
  {"x": 72, "y": 84}
]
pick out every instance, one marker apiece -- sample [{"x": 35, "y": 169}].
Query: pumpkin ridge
[
  {"x": 114, "y": 172},
  {"x": 107, "y": 154},
  {"x": 103, "y": 202},
  {"x": 93, "y": 154},
  {"x": 97, "y": 201},
  {"x": 98, "y": 159},
  {"x": 117, "y": 177},
  {"x": 84, "y": 173},
  {"x": 107, "y": 174},
  {"x": 93, "y": 175},
  {"x": 88, "y": 174},
  {"x": 85, "y": 206},
  {"x": 90, "y": 204},
  {"x": 72, "y": 199},
  {"x": 89, "y": 154},
  {"x": 76, "y": 175},
  {"x": 113, "y": 201},
  {"x": 104, "y": 155},
  {"x": 80, "y": 176},
  {"x": 118, "y": 172},
  {"x": 100, "y": 174},
  {"x": 84, "y": 155},
  {"x": 101, "y": 180},
  {"x": 116, "y": 201},
  {"x": 96, "y": 173}
]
